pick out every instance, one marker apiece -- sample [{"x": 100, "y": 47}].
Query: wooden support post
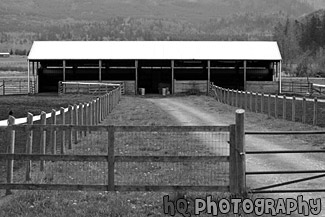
[
  {"x": 228, "y": 96},
  {"x": 76, "y": 122},
  {"x": 293, "y": 109},
  {"x": 304, "y": 110},
  {"x": 208, "y": 82},
  {"x": 71, "y": 121},
  {"x": 245, "y": 77},
  {"x": 64, "y": 72},
  {"x": 53, "y": 132},
  {"x": 262, "y": 103},
  {"x": 28, "y": 77},
  {"x": 63, "y": 131},
  {"x": 284, "y": 112},
  {"x": 11, "y": 150},
  {"x": 233, "y": 161},
  {"x": 173, "y": 77},
  {"x": 240, "y": 147},
  {"x": 269, "y": 105},
  {"x": 136, "y": 64},
  {"x": 110, "y": 159},
  {"x": 276, "y": 106},
  {"x": 315, "y": 113},
  {"x": 29, "y": 147},
  {"x": 42, "y": 140},
  {"x": 100, "y": 70}
]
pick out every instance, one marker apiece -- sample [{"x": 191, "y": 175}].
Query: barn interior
[{"x": 153, "y": 75}]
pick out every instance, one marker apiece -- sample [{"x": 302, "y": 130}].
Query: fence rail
[
  {"x": 16, "y": 86},
  {"x": 65, "y": 87}
]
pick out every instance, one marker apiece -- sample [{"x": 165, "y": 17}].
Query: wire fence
[{"x": 147, "y": 157}]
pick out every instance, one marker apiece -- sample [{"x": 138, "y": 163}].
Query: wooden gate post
[
  {"x": 293, "y": 109},
  {"x": 240, "y": 153},
  {"x": 284, "y": 108},
  {"x": 233, "y": 182},
  {"x": 11, "y": 150},
  {"x": 29, "y": 146}
]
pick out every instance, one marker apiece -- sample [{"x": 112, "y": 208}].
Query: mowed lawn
[{"x": 131, "y": 111}]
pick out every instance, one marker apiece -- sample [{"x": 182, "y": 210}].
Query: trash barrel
[
  {"x": 164, "y": 91},
  {"x": 142, "y": 91}
]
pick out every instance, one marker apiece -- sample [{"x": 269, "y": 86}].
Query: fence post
[
  {"x": 71, "y": 114},
  {"x": 110, "y": 159},
  {"x": 304, "y": 110},
  {"x": 29, "y": 146},
  {"x": 233, "y": 161},
  {"x": 53, "y": 132},
  {"x": 284, "y": 108},
  {"x": 251, "y": 101},
  {"x": 269, "y": 105},
  {"x": 81, "y": 118},
  {"x": 276, "y": 106},
  {"x": 11, "y": 150},
  {"x": 256, "y": 102},
  {"x": 3, "y": 87},
  {"x": 43, "y": 140},
  {"x": 293, "y": 109},
  {"x": 86, "y": 114},
  {"x": 245, "y": 100},
  {"x": 98, "y": 110},
  {"x": 262, "y": 103},
  {"x": 76, "y": 121},
  {"x": 315, "y": 112},
  {"x": 95, "y": 111},
  {"x": 236, "y": 99},
  {"x": 63, "y": 131},
  {"x": 240, "y": 146}
]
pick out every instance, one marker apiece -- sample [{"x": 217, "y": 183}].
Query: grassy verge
[{"x": 131, "y": 111}]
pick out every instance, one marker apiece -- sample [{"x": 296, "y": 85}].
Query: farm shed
[{"x": 180, "y": 66}]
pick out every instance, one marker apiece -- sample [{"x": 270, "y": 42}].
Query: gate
[
  {"x": 124, "y": 158},
  {"x": 268, "y": 188}
]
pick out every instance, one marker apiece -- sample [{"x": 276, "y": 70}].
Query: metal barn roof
[{"x": 155, "y": 50}]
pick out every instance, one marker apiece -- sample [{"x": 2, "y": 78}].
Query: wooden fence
[
  {"x": 65, "y": 87},
  {"x": 293, "y": 108},
  {"x": 235, "y": 159},
  {"x": 89, "y": 114}
]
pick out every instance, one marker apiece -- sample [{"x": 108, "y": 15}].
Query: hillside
[
  {"x": 191, "y": 10},
  {"x": 23, "y": 21}
]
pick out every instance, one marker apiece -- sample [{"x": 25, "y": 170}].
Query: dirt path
[{"x": 193, "y": 112}]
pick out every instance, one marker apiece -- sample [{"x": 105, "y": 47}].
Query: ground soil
[{"x": 203, "y": 111}]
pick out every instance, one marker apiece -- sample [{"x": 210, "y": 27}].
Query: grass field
[
  {"x": 131, "y": 111},
  {"x": 14, "y": 64}
]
